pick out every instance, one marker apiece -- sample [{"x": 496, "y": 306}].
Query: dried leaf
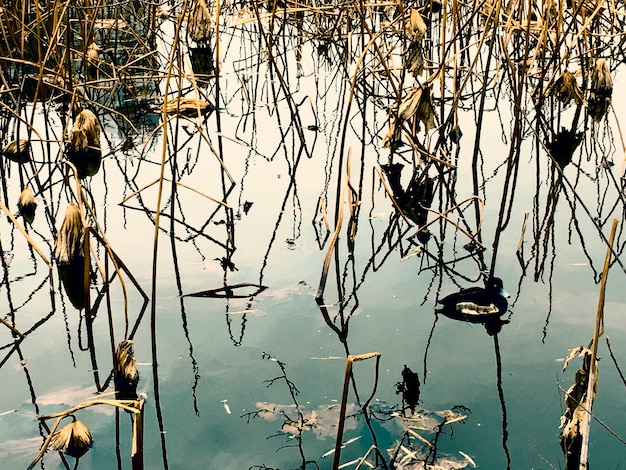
[
  {"x": 410, "y": 104},
  {"x": 414, "y": 58},
  {"x": 417, "y": 25},
  {"x": 393, "y": 136},
  {"x": 567, "y": 89},
  {"x": 190, "y": 107},
  {"x": 580, "y": 351}
]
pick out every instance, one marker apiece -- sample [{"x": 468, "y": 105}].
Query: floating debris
[
  {"x": 27, "y": 205},
  {"x": 188, "y": 107},
  {"x": 74, "y": 439},
  {"x": 17, "y": 151}
]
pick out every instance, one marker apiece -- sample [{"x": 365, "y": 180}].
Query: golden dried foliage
[
  {"x": 200, "y": 25},
  {"x": 190, "y": 107}
]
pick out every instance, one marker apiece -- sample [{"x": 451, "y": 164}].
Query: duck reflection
[{"x": 484, "y": 305}]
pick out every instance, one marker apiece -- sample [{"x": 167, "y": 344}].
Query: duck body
[{"x": 476, "y": 304}]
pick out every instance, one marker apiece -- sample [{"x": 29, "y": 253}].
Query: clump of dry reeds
[
  {"x": 125, "y": 375},
  {"x": 73, "y": 439},
  {"x": 17, "y": 151},
  {"x": 27, "y": 205}
]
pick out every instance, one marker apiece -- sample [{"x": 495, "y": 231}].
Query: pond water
[{"x": 280, "y": 253}]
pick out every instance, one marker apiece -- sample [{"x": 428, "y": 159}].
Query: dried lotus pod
[
  {"x": 83, "y": 149},
  {"x": 93, "y": 58},
  {"x": 73, "y": 439},
  {"x": 125, "y": 375},
  {"x": 27, "y": 205},
  {"x": 600, "y": 90},
  {"x": 200, "y": 23},
  {"x": 69, "y": 240},
  {"x": 88, "y": 122},
  {"x": 17, "y": 151}
]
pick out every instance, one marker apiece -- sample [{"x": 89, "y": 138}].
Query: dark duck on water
[{"x": 477, "y": 305}]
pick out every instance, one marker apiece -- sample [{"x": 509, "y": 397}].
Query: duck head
[{"x": 495, "y": 285}]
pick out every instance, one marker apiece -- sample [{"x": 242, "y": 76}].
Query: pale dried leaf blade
[
  {"x": 417, "y": 25},
  {"x": 393, "y": 134},
  {"x": 410, "y": 104},
  {"x": 575, "y": 352}
]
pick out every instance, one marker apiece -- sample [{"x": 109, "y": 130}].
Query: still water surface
[{"x": 236, "y": 374}]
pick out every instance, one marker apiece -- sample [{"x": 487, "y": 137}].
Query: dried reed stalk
[
  {"x": 344, "y": 400},
  {"x": 593, "y": 366}
]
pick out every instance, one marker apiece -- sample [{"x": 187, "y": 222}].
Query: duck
[{"x": 476, "y": 304}]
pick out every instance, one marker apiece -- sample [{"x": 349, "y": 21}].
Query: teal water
[{"x": 234, "y": 376}]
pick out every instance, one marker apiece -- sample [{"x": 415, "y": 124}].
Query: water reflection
[{"x": 371, "y": 121}]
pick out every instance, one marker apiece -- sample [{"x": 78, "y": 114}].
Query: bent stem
[{"x": 344, "y": 401}]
